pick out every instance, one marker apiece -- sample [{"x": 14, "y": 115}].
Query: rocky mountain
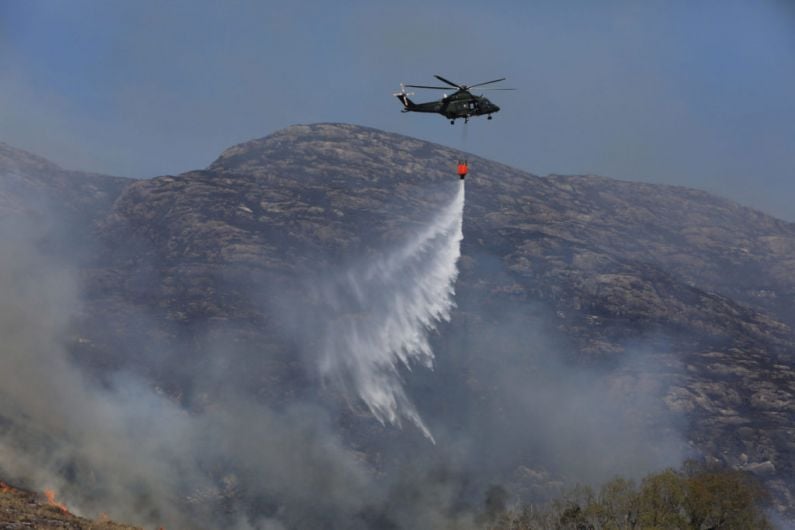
[
  {"x": 64, "y": 203},
  {"x": 596, "y": 272}
]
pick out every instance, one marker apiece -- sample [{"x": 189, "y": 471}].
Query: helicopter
[{"x": 459, "y": 104}]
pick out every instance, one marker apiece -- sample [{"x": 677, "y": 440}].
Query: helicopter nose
[{"x": 496, "y": 108}]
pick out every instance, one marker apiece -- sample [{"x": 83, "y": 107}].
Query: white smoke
[
  {"x": 384, "y": 311},
  {"x": 122, "y": 447}
]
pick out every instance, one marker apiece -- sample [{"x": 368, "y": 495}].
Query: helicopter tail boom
[{"x": 407, "y": 103}]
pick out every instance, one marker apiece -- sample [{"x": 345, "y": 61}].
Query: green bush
[{"x": 696, "y": 497}]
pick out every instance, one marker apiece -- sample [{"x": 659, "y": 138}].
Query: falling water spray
[{"x": 385, "y": 310}]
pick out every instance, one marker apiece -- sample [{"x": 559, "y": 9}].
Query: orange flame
[
  {"x": 50, "y": 494},
  {"x": 5, "y": 488}
]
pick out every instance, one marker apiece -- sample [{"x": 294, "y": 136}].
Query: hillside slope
[
  {"x": 615, "y": 262},
  {"x": 679, "y": 301}
]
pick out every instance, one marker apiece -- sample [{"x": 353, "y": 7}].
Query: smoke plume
[{"x": 123, "y": 446}]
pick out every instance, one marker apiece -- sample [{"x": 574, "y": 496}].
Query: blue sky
[{"x": 690, "y": 92}]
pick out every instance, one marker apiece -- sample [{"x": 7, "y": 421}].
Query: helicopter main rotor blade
[
  {"x": 443, "y": 80},
  {"x": 487, "y": 82},
  {"x": 433, "y": 87},
  {"x": 484, "y": 89}
]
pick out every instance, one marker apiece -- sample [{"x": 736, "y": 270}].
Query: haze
[{"x": 691, "y": 93}]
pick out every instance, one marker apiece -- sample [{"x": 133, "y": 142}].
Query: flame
[
  {"x": 5, "y": 488},
  {"x": 50, "y": 494}
]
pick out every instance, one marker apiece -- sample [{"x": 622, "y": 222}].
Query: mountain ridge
[{"x": 703, "y": 283}]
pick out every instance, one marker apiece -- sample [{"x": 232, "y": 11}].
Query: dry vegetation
[{"x": 25, "y": 509}]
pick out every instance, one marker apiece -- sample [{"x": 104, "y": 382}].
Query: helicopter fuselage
[{"x": 461, "y": 104}]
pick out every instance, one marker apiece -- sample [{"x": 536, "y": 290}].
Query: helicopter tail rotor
[{"x": 403, "y": 96}]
